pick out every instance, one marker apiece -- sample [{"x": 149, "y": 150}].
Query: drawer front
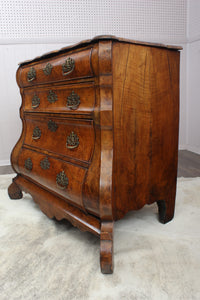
[
  {"x": 60, "y": 177},
  {"x": 67, "y": 137},
  {"x": 60, "y": 99},
  {"x": 64, "y": 67}
]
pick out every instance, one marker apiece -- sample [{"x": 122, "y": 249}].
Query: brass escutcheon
[
  {"x": 28, "y": 164},
  {"x": 48, "y": 68},
  {"x": 52, "y": 126},
  {"x": 45, "y": 164}
]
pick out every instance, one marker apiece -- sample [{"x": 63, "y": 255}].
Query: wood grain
[
  {"x": 82, "y": 69},
  {"x": 57, "y": 141},
  {"x": 146, "y": 105},
  {"x": 47, "y": 178},
  {"x": 127, "y": 125},
  {"x": 106, "y": 247},
  {"x": 86, "y": 93}
]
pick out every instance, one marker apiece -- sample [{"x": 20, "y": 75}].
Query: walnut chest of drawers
[{"x": 100, "y": 133}]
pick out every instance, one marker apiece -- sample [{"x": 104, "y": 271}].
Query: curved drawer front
[
  {"x": 60, "y": 99},
  {"x": 67, "y": 137},
  {"x": 64, "y": 67},
  {"x": 60, "y": 177}
]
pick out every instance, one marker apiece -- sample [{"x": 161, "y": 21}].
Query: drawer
[
  {"x": 60, "y": 177},
  {"x": 70, "y": 66},
  {"x": 60, "y": 99},
  {"x": 61, "y": 136}
]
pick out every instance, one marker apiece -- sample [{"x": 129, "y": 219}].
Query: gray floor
[
  {"x": 6, "y": 170},
  {"x": 188, "y": 165}
]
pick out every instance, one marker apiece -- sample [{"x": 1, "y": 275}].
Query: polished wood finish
[
  {"x": 86, "y": 93},
  {"x": 188, "y": 165},
  {"x": 106, "y": 151},
  {"x": 47, "y": 178},
  {"x": 145, "y": 82},
  {"x": 56, "y": 143},
  {"x": 82, "y": 69}
]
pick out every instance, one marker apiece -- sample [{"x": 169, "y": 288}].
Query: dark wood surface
[{"x": 122, "y": 159}]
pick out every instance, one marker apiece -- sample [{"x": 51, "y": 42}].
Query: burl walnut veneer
[{"x": 100, "y": 133}]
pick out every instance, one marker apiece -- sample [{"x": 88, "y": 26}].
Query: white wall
[
  {"x": 193, "y": 77},
  {"x": 31, "y": 28}
]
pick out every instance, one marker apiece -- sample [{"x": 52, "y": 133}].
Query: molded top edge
[{"x": 96, "y": 39}]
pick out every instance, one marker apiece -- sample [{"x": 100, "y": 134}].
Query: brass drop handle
[
  {"x": 62, "y": 180},
  {"x": 68, "y": 66},
  {"x": 72, "y": 141},
  {"x": 36, "y": 133},
  {"x": 73, "y": 101},
  {"x": 35, "y": 101},
  {"x": 31, "y": 75}
]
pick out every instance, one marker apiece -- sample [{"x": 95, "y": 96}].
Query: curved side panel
[
  {"x": 90, "y": 189},
  {"x": 16, "y": 150},
  {"x": 105, "y": 93}
]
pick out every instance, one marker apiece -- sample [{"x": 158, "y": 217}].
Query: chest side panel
[
  {"x": 145, "y": 118},
  {"x": 165, "y": 123},
  {"x": 131, "y": 127}
]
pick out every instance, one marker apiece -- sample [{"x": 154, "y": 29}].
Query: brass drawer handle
[
  {"x": 45, "y": 164},
  {"x": 36, "y": 133},
  {"x": 28, "y": 164},
  {"x": 35, "y": 101},
  {"x": 62, "y": 180},
  {"x": 52, "y": 126},
  {"x": 72, "y": 141},
  {"x": 48, "y": 68},
  {"x": 52, "y": 97},
  {"x": 31, "y": 75},
  {"x": 68, "y": 66},
  {"x": 73, "y": 101}
]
